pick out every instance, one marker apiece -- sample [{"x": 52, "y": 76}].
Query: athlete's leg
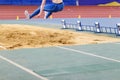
[
  {"x": 50, "y": 8},
  {"x": 47, "y": 14},
  {"x": 29, "y": 16},
  {"x": 37, "y": 11}
]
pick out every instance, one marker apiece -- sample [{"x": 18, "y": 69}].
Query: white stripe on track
[
  {"x": 87, "y": 53},
  {"x": 23, "y": 68}
]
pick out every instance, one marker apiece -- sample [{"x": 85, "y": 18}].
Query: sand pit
[{"x": 16, "y": 36}]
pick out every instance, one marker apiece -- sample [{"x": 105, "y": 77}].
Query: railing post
[
  {"x": 79, "y": 26},
  {"x": 64, "y": 24},
  {"x": 118, "y": 29},
  {"x": 97, "y": 27}
]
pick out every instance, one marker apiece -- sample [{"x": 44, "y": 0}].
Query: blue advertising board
[
  {"x": 95, "y": 2},
  {"x": 32, "y": 2},
  {"x": 67, "y": 2}
]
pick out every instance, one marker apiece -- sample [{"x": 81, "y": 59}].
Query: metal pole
[
  {"x": 97, "y": 27},
  {"x": 118, "y": 29},
  {"x": 79, "y": 26},
  {"x": 64, "y": 24}
]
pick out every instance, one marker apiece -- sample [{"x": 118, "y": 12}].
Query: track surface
[{"x": 11, "y": 12}]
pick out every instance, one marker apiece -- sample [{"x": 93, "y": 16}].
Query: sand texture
[{"x": 16, "y": 36}]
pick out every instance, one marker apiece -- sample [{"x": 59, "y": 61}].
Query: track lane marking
[
  {"x": 87, "y": 53},
  {"x": 23, "y": 68}
]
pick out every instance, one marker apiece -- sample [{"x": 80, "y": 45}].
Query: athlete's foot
[{"x": 27, "y": 14}]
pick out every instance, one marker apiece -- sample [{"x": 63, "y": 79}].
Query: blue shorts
[{"x": 54, "y": 7}]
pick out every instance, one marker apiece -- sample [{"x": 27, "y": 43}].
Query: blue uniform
[{"x": 49, "y": 8}]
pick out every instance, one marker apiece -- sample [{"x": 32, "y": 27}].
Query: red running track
[{"x": 11, "y": 12}]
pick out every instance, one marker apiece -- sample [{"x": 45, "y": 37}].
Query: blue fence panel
[
  {"x": 33, "y": 2},
  {"x": 118, "y": 1},
  {"x": 70, "y": 2},
  {"x": 67, "y": 2},
  {"x": 5, "y": 2},
  {"x": 95, "y": 2}
]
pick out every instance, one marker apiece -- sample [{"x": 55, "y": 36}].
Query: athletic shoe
[{"x": 27, "y": 14}]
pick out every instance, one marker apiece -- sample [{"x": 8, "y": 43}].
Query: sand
[{"x": 17, "y": 36}]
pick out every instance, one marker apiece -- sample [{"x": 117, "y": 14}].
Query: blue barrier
[
  {"x": 92, "y": 28},
  {"x": 67, "y": 2},
  {"x": 32, "y": 2}
]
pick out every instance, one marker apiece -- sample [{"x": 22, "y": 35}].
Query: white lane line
[
  {"x": 23, "y": 68},
  {"x": 87, "y": 53}
]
